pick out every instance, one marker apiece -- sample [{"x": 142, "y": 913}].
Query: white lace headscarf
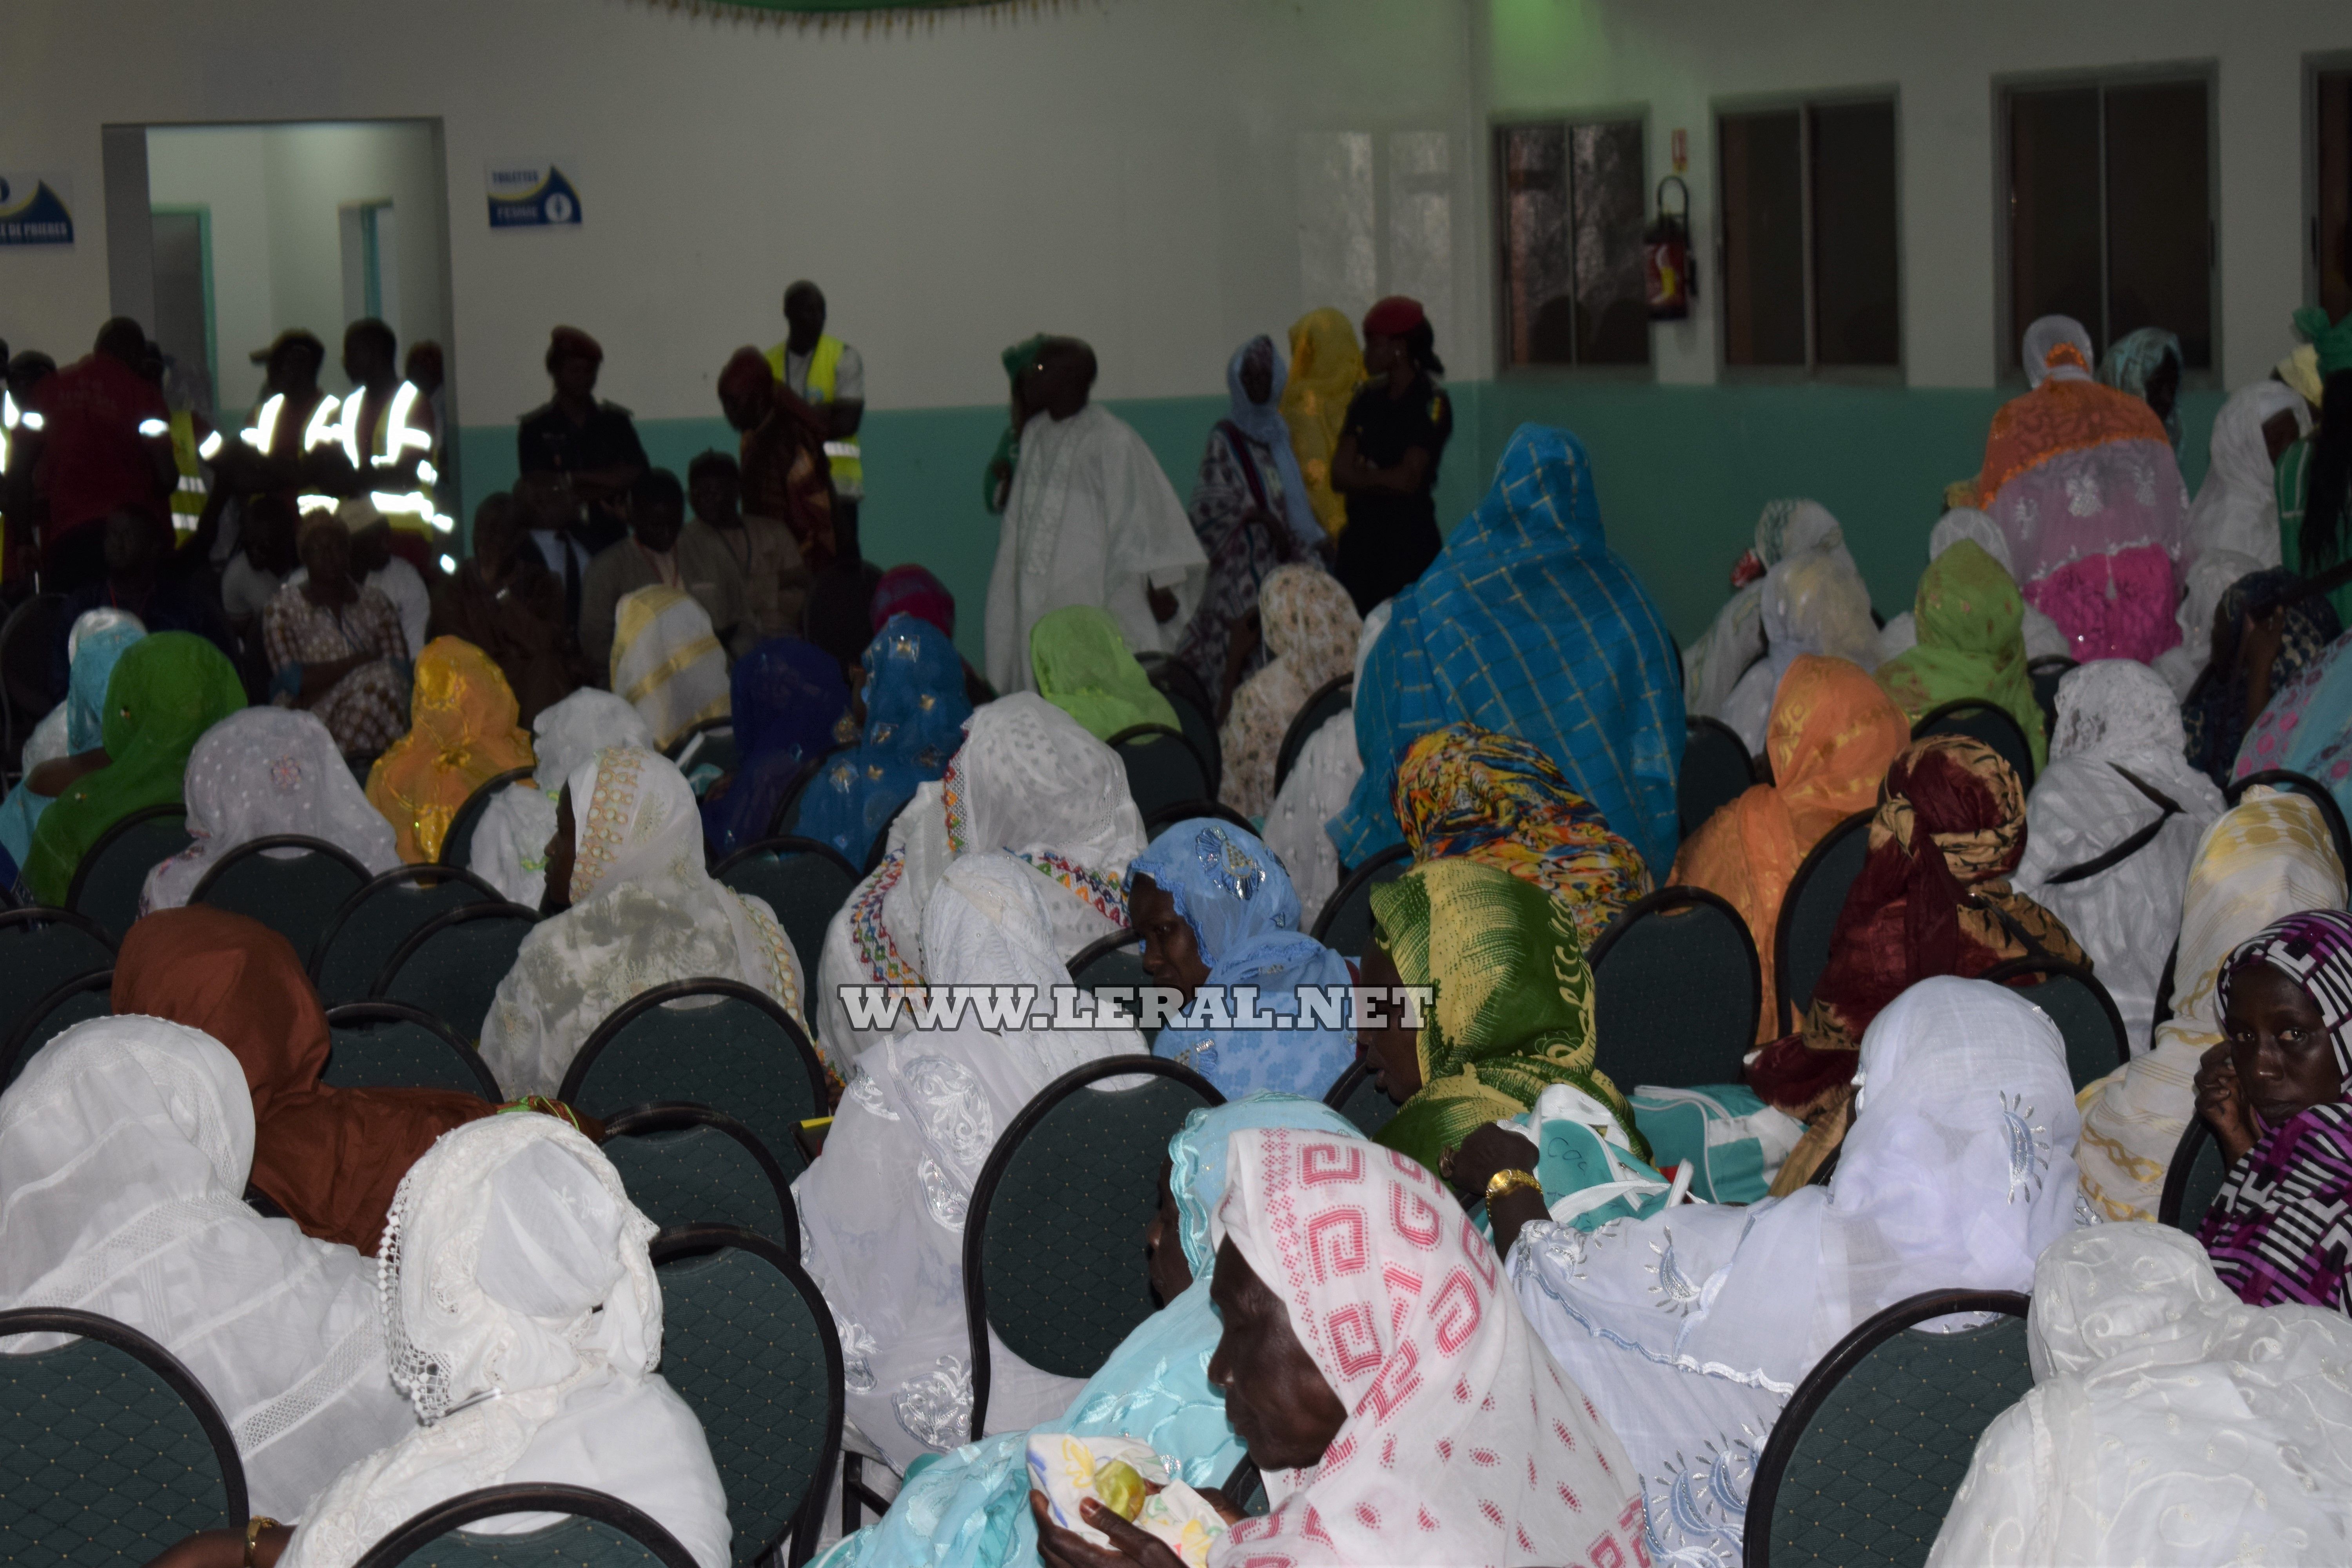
[
  {"x": 1814, "y": 601},
  {"x": 644, "y": 912},
  {"x": 1968, "y": 522},
  {"x": 1714, "y": 666},
  {"x": 2047, "y": 333},
  {"x": 2237, "y": 506},
  {"x": 2168, "y": 1422},
  {"x": 2116, "y": 713},
  {"x": 667, "y": 661},
  {"x": 261, "y": 772},
  {"x": 523, "y": 1320},
  {"x": 1690, "y": 1330},
  {"x": 1028, "y": 779},
  {"x": 510, "y": 840},
  {"x": 125, "y": 1145}
]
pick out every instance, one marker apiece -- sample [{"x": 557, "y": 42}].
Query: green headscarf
[
  {"x": 166, "y": 691},
  {"x": 2333, "y": 340},
  {"x": 1017, "y": 358},
  {"x": 1971, "y": 644},
  {"x": 1083, "y": 668},
  {"x": 1513, "y": 1006}
]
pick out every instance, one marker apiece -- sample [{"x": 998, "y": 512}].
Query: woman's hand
[
  {"x": 1061, "y": 1548},
  {"x": 1487, "y": 1149},
  {"x": 2222, "y": 1103},
  {"x": 224, "y": 1549},
  {"x": 1164, "y": 602},
  {"x": 2258, "y": 652}
]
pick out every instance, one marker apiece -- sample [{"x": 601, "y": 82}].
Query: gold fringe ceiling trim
[{"x": 782, "y": 13}]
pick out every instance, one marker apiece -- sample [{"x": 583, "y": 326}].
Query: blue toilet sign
[
  {"x": 532, "y": 195},
  {"x": 33, "y": 209}
]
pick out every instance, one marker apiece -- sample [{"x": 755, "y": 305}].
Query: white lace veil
[
  {"x": 124, "y": 1149},
  {"x": 1968, "y": 522},
  {"x": 261, "y": 772},
  {"x": 511, "y": 841},
  {"x": 2047, "y": 333}
]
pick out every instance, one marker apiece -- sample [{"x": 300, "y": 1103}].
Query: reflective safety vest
[
  {"x": 398, "y": 435},
  {"x": 189, "y": 454},
  {"x": 825, "y": 365}
]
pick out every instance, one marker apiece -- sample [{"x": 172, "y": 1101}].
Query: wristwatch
[{"x": 1503, "y": 1182}]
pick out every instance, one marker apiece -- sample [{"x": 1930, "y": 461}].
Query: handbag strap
[{"x": 2168, "y": 808}]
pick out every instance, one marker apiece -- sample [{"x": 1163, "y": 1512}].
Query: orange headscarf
[
  {"x": 1832, "y": 735},
  {"x": 331, "y": 1158},
  {"x": 462, "y": 730}
]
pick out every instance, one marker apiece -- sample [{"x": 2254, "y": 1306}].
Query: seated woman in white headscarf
[
  {"x": 1317, "y": 789},
  {"x": 2117, "y": 769},
  {"x": 1690, "y": 1329},
  {"x": 1713, "y": 665},
  {"x": 1028, "y": 779},
  {"x": 525, "y": 1323},
  {"x": 632, "y": 907},
  {"x": 2042, "y": 637},
  {"x": 2168, "y": 1422},
  {"x": 510, "y": 840},
  {"x": 2208, "y": 580},
  {"x": 125, "y": 1145},
  {"x": 1814, "y": 601},
  {"x": 2236, "y": 508},
  {"x": 882, "y": 1213},
  {"x": 266, "y": 771},
  {"x": 668, "y": 663}
]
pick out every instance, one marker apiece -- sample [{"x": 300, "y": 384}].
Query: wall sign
[
  {"x": 34, "y": 208},
  {"x": 532, "y": 194}
]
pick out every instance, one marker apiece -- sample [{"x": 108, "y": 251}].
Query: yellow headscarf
[
  {"x": 462, "y": 731},
  {"x": 1326, "y": 367}
]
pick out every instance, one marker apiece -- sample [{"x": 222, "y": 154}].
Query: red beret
[
  {"x": 570, "y": 343},
  {"x": 1393, "y": 317}
]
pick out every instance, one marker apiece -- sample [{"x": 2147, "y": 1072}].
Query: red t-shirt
[{"x": 93, "y": 459}]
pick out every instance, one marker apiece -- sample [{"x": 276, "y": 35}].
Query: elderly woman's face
[
  {"x": 1257, "y": 371},
  {"x": 1395, "y": 1047},
  {"x": 326, "y": 551},
  {"x": 1163, "y": 1249},
  {"x": 1171, "y": 954},
  {"x": 561, "y": 851},
  {"x": 2279, "y": 1045},
  {"x": 1276, "y": 1397}
]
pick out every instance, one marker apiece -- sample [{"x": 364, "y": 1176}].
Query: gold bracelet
[
  {"x": 253, "y": 1529},
  {"x": 1503, "y": 1182}
]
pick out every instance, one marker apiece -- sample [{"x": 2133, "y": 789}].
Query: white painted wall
[
  {"x": 275, "y": 193},
  {"x": 1681, "y": 56}
]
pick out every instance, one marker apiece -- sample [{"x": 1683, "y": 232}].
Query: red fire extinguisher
[{"x": 1666, "y": 270}]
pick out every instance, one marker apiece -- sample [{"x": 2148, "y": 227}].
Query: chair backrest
[
  {"x": 1676, "y": 988},
  {"x": 390, "y": 1045},
  {"x": 75, "y": 1000},
  {"x": 106, "y": 884},
  {"x": 688, "y": 1164},
  {"x": 1162, "y": 767},
  {"x": 2079, "y": 1004},
  {"x": 1345, "y": 926},
  {"x": 599, "y": 1531},
  {"x": 1052, "y": 1236},
  {"x": 2194, "y": 1178},
  {"x": 804, "y": 881},
  {"x": 109, "y": 1449},
  {"x": 749, "y": 1344},
  {"x": 40, "y": 949},
  {"x": 1356, "y": 1095},
  {"x": 734, "y": 1050},
  {"x": 1980, "y": 720},
  {"x": 1176, "y": 811},
  {"x": 2045, "y": 673},
  {"x": 2303, "y": 784},
  {"x": 787, "y": 815},
  {"x": 712, "y": 742},
  {"x": 1862, "y": 1464},
  {"x": 1809, "y": 914},
  {"x": 1717, "y": 769},
  {"x": 457, "y": 838},
  {"x": 1198, "y": 721},
  {"x": 294, "y": 894},
  {"x": 451, "y": 965},
  {"x": 349, "y": 948},
  {"x": 1331, "y": 699},
  {"x": 1114, "y": 963}
]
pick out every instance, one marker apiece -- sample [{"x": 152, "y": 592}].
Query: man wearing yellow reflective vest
[
  {"x": 827, "y": 374},
  {"x": 387, "y": 431}
]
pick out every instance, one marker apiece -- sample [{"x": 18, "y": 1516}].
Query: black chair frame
[
  {"x": 684, "y": 1115},
  {"x": 469, "y": 812},
  {"x": 2003, "y": 972},
  {"x": 677, "y": 748},
  {"x": 360, "y": 1014},
  {"x": 422, "y": 1530},
  {"x": 158, "y": 1360},
  {"x": 781, "y": 845},
  {"x": 1165, "y": 671},
  {"x": 1858, "y": 823},
  {"x": 1704, "y": 722},
  {"x": 2176, "y": 1175},
  {"x": 1354, "y": 881},
  {"x": 799, "y": 787},
  {"x": 1789, "y": 1428},
  {"x": 253, "y": 847},
  {"x": 428, "y": 872},
  {"x": 1959, "y": 705},
  {"x": 46, "y": 914},
  {"x": 1299, "y": 731},
  {"x": 21, "y": 1031},
  {"x": 106, "y": 841},
  {"x": 694, "y": 1240},
  {"x": 983, "y": 1191},
  {"x": 433, "y": 928},
  {"x": 2311, "y": 789},
  {"x": 1174, "y": 812},
  {"x": 646, "y": 1001},
  {"x": 1677, "y": 896},
  {"x": 1123, "y": 937},
  {"x": 1352, "y": 1079},
  {"x": 1141, "y": 731}
]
